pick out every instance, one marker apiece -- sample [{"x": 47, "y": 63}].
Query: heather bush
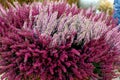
[{"x": 56, "y": 41}]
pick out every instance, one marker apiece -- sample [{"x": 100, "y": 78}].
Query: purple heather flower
[{"x": 55, "y": 41}]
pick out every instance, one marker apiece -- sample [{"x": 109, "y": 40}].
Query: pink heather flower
[{"x": 55, "y": 41}]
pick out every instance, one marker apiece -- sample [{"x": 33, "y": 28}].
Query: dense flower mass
[{"x": 55, "y": 41}]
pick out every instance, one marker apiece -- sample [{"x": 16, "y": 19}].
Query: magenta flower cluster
[{"x": 56, "y": 41}]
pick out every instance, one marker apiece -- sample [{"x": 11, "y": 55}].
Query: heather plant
[{"x": 56, "y": 41}]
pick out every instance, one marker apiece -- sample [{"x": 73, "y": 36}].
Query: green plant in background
[{"x": 72, "y": 1}]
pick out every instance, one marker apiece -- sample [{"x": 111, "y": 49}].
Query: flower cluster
[{"x": 55, "y": 41}]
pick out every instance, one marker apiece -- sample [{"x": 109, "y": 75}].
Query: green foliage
[{"x": 97, "y": 68}]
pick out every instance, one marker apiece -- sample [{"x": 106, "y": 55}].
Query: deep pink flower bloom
[{"x": 55, "y": 41}]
